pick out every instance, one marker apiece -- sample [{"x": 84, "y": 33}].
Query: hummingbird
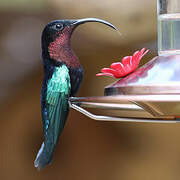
[{"x": 63, "y": 74}]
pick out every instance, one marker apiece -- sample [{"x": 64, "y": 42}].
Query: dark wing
[
  {"x": 54, "y": 111},
  {"x": 76, "y": 75},
  {"x": 58, "y": 90}
]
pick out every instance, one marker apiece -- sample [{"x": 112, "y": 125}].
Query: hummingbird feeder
[{"x": 151, "y": 93}]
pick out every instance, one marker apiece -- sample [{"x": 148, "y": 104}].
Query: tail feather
[{"x": 44, "y": 156}]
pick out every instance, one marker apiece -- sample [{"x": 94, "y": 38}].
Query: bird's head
[{"x": 56, "y": 36}]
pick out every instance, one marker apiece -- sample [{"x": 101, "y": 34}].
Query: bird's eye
[{"x": 59, "y": 26}]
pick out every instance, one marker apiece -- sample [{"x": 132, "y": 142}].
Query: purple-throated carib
[{"x": 62, "y": 78}]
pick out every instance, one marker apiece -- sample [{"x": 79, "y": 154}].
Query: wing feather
[
  {"x": 58, "y": 89},
  {"x": 55, "y": 109}
]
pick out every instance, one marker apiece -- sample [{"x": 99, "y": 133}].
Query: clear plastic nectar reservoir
[
  {"x": 169, "y": 34},
  {"x": 168, "y": 27}
]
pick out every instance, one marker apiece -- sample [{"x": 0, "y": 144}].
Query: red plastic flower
[{"x": 128, "y": 65}]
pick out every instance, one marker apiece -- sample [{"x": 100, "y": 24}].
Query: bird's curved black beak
[{"x": 85, "y": 20}]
